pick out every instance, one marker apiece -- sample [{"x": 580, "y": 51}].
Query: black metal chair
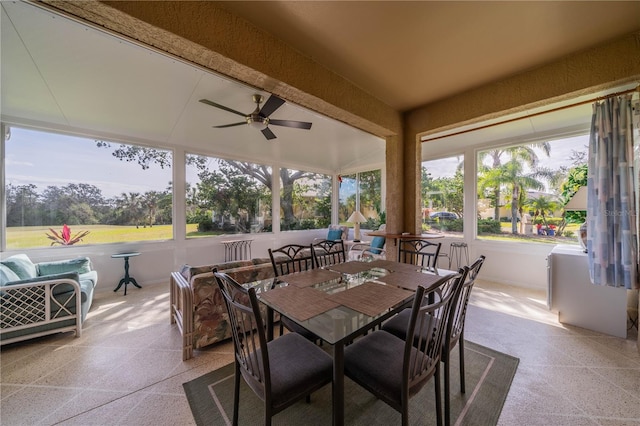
[
  {"x": 394, "y": 369},
  {"x": 291, "y": 258},
  {"x": 286, "y": 260},
  {"x": 280, "y": 372},
  {"x": 328, "y": 252},
  {"x": 456, "y": 331},
  {"x": 423, "y": 253}
]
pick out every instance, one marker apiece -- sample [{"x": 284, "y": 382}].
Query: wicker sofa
[
  {"x": 197, "y": 306},
  {"x": 43, "y": 298}
]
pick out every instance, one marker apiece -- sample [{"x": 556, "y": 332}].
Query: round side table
[{"x": 127, "y": 278}]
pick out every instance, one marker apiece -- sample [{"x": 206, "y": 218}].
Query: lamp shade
[
  {"x": 356, "y": 217},
  {"x": 578, "y": 201}
]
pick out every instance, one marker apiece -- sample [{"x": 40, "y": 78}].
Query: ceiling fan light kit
[{"x": 259, "y": 118}]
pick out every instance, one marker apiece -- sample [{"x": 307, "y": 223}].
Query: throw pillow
[
  {"x": 334, "y": 234},
  {"x": 22, "y": 266},
  {"x": 376, "y": 244},
  {"x": 7, "y": 275},
  {"x": 80, "y": 265}
]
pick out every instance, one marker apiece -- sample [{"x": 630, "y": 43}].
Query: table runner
[
  {"x": 411, "y": 280},
  {"x": 351, "y": 267},
  {"x": 371, "y": 298},
  {"x": 299, "y": 303},
  {"x": 311, "y": 277}
]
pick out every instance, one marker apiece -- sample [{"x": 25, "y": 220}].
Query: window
[
  {"x": 305, "y": 200},
  {"x": 227, "y": 197},
  {"x": 442, "y": 189},
  {"x": 363, "y": 190},
  {"x": 522, "y": 190},
  {"x": 103, "y": 192}
]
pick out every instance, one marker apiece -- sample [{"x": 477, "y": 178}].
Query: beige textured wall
[{"x": 601, "y": 67}]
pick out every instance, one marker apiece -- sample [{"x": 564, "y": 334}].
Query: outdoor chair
[
  {"x": 286, "y": 260},
  {"x": 328, "y": 252},
  {"x": 419, "y": 252},
  {"x": 394, "y": 369},
  {"x": 280, "y": 372}
]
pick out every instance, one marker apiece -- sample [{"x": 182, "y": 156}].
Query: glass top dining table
[{"x": 341, "y": 302}]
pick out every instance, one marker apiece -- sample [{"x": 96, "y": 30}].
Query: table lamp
[
  {"x": 579, "y": 203},
  {"x": 356, "y": 218}
]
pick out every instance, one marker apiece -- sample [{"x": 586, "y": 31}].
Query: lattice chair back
[
  {"x": 423, "y": 253},
  {"x": 328, "y": 252},
  {"x": 291, "y": 258}
]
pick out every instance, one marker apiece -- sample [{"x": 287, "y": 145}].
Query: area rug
[{"x": 488, "y": 378}]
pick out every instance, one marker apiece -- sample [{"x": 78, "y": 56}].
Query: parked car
[{"x": 443, "y": 216}]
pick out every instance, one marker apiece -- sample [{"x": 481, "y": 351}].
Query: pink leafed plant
[{"x": 64, "y": 238}]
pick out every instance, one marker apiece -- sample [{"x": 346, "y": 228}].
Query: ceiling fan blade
[
  {"x": 268, "y": 133},
  {"x": 272, "y": 104},
  {"x": 291, "y": 123},
  {"x": 230, "y": 125},
  {"x": 213, "y": 104}
]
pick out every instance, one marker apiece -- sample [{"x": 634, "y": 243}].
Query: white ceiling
[{"x": 59, "y": 74}]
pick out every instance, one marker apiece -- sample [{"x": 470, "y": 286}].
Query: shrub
[{"x": 488, "y": 226}]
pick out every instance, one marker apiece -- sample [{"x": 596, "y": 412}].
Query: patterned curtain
[{"x": 611, "y": 207}]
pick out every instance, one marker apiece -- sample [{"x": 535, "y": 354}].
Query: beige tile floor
[{"x": 126, "y": 369}]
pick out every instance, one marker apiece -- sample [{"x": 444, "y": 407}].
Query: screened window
[
  {"x": 305, "y": 200},
  {"x": 227, "y": 197},
  {"x": 442, "y": 189},
  {"x": 362, "y": 190},
  {"x": 103, "y": 192},
  {"x": 522, "y": 190}
]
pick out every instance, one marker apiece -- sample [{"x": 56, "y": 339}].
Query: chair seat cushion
[
  {"x": 375, "y": 361},
  {"x": 298, "y": 367},
  {"x": 398, "y": 327},
  {"x": 398, "y": 324}
]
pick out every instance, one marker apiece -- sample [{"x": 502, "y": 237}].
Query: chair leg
[
  {"x": 438, "y": 396},
  {"x": 461, "y": 349},
  {"x": 447, "y": 390},
  {"x": 236, "y": 394}
]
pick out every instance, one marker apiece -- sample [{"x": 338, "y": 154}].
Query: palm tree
[
  {"x": 541, "y": 206},
  {"x": 513, "y": 177},
  {"x": 524, "y": 153}
]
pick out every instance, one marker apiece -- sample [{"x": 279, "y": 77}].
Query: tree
[
  {"x": 542, "y": 206},
  {"x": 525, "y": 153},
  {"x": 512, "y": 176}
]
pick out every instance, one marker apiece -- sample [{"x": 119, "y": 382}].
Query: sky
[
  {"x": 561, "y": 150},
  {"x": 76, "y": 160}
]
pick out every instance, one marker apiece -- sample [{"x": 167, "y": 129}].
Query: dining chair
[
  {"x": 328, "y": 252},
  {"x": 394, "y": 369},
  {"x": 285, "y": 260},
  {"x": 291, "y": 258},
  {"x": 280, "y": 372},
  {"x": 455, "y": 335},
  {"x": 423, "y": 253},
  {"x": 398, "y": 326}
]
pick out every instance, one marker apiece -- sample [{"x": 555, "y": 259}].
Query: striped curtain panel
[{"x": 611, "y": 207}]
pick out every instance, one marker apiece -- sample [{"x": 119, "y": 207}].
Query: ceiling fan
[{"x": 259, "y": 118}]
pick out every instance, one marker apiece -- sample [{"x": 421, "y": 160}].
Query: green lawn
[{"x": 35, "y": 236}]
